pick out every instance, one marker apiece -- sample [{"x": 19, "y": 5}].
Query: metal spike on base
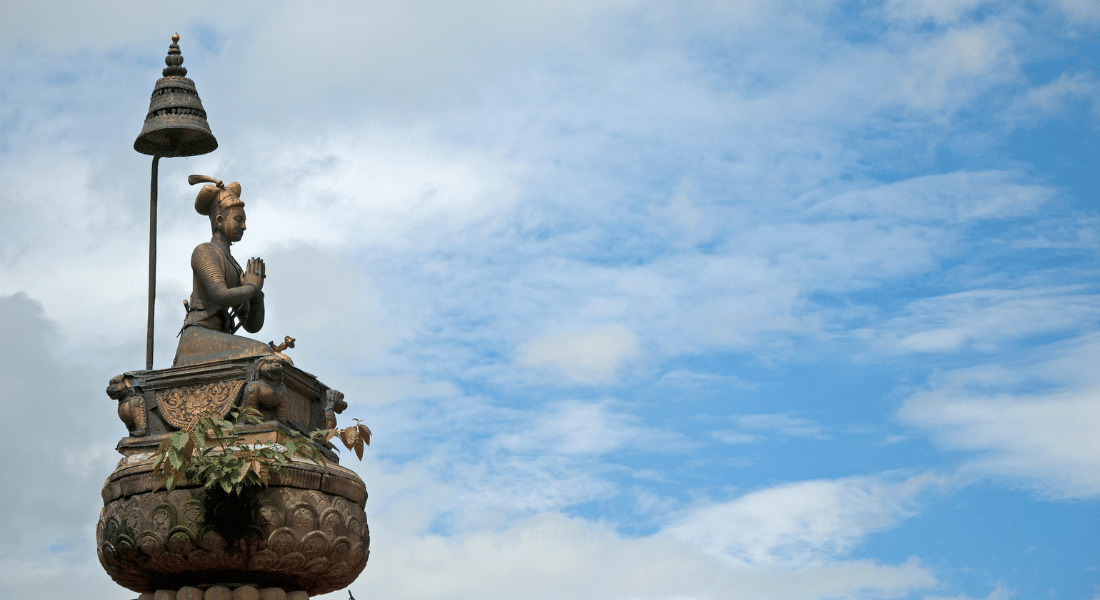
[{"x": 176, "y": 122}]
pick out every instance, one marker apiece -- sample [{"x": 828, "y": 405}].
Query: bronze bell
[{"x": 176, "y": 123}]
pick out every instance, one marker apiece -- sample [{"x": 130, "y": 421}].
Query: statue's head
[{"x": 224, "y": 207}]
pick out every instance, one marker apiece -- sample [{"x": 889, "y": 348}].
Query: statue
[
  {"x": 286, "y": 521},
  {"x": 224, "y": 296}
]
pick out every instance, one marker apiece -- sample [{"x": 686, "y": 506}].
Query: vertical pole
[{"x": 152, "y": 263}]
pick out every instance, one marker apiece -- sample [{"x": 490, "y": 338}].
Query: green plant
[{"x": 213, "y": 452}]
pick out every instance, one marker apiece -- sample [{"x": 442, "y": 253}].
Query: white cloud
[
  {"x": 999, "y": 592},
  {"x": 593, "y": 356},
  {"x": 553, "y": 556},
  {"x": 1081, "y": 11},
  {"x": 950, "y": 198},
  {"x": 945, "y": 74},
  {"x": 986, "y": 320},
  {"x": 575, "y": 428},
  {"x": 429, "y": 543},
  {"x": 756, "y": 428},
  {"x": 802, "y": 523},
  {"x": 939, "y": 11},
  {"x": 1033, "y": 421},
  {"x": 57, "y": 449},
  {"x": 691, "y": 380},
  {"x": 1048, "y": 100}
]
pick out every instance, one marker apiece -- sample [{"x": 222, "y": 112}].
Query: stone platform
[{"x": 304, "y": 533}]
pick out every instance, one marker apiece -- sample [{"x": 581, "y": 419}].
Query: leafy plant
[{"x": 214, "y": 452}]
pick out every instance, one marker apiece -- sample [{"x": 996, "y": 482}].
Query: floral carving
[
  {"x": 182, "y": 406},
  {"x": 300, "y": 539}
]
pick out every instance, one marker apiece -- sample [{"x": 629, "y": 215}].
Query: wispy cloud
[
  {"x": 803, "y": 523},
  {"x": 588, "y": 357},
  {"x": 1032, "y": 421},
  {"x": 757, "y": 428}
]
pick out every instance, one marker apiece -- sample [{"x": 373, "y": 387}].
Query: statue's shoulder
[{"x": 204, "y": 253}]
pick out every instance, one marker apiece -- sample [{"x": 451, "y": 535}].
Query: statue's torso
[{"x": 208, "y": 260}]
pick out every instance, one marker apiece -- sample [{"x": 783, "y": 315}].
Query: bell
[{"x": 176, "y": 124}]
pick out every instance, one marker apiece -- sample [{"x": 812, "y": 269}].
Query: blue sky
[{"x": 641, "y": 300}]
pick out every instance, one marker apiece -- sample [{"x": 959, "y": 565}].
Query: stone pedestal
[{"x": 305, "y": 533}]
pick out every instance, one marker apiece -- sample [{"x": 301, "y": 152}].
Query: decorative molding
[{"x": 298, "y": 539}]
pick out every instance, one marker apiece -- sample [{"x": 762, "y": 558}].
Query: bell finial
[
  {"x": 174, "y": 60},
  {"x": 176, "y": 122}
]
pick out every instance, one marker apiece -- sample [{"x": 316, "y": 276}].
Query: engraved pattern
[
  {"x": 138, "y": 402},
  {"x": 297, "y": 407},
  {"x": 301, "y": 539},
  {"x": 182, "y": 406}
]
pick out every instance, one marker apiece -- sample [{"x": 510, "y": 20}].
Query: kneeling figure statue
[{"x": 224, "y": 296}]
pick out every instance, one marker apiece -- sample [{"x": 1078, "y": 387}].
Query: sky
[{"x": 642, "y": 300}]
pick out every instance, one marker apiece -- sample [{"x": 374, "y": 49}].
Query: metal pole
[{"x": 152, "y": 262}]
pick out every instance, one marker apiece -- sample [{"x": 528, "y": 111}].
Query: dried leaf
[
  {"x": 262, "y": 471},
  {"x": 188, "y": 450},
  {"x": 359, "y": 447},
  {"x": 349, "y": 435},
  {"x": 364, "y": 432},
  {"x": 329, "y": 433}
]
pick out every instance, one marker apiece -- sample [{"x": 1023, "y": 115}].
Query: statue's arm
[
  {"x": 208, "y": 270},
  {"x": 251, "y": 314},
  {"x": 253, "y": 320}
]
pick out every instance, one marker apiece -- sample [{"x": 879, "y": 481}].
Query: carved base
[
  {"x": 225, "y": 592},
  {"x": 314, "y": 540}
]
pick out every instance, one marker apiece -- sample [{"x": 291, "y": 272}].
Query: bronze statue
[
  {"x": 287, "y": 533},
  {"x": 224, "y": 296}
]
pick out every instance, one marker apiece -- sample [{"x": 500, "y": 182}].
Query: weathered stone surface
[
  {"x": 246, "y": 592},
  {"x": 273, "y": 594},
  {"x": 146, "y": 596},
  {"x": 189, "y": 593},
  {"x": 158, "y": 402},
  {"x": 297, "y": 596},
  {"x": 218, "y": 592},
  {"x": 164, "y": 595},
  {"x": 290, "y": 538}
]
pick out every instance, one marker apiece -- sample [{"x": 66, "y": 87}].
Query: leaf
[
  {"x": 245, "y": 468},
  {"x": 174, "y": 459},
  {"x": 170, "y": 482},
  {"x": 348, "y": 437},
  {"x": 329, "y": 433},
  {"x": 364, "y": 432},
  {"x": 262, "y": 472},
  {"x": 188, "y": 452},
  {"x": 158, "y": 464},
  {"x": 359, "y": 447}
]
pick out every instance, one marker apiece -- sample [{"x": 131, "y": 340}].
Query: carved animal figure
[
  {"x": 268, "y": 392},
  {"x": 334, "y": 403},
  {"x": 288, "y": 342},
  {"x": 131, "y": 405}
]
